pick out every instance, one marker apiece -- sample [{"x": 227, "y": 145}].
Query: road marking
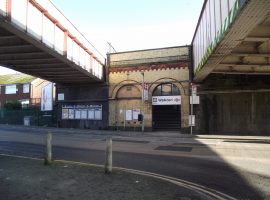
[
  {"x": 16, "y": 156},
  {"x": 179, "y": 182},
  {"x": 189, "y": 185}
]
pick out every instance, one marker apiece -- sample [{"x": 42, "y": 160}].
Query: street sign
[
  {"x": 193, "y": 89},
  {"x": 61, "y": 96},
  {"x": 194, "y": 99},
  {"x": 191, "y": 120},
  {"x": 166, "y": 100},
  {"x": 145, "y": 92}
]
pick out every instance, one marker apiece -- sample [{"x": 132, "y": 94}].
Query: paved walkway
[
  {"x": 23, "y": 178},
  {"x": 251, "y": 153}
]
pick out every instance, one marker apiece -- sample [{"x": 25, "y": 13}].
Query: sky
[{"x": 132, "y": 24}]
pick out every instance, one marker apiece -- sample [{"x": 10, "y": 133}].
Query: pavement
[
  {"x": 249, "y": 153},
  {"x": 25, "y": 178}
]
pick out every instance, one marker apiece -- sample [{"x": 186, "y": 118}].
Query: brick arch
[
  {"x": 135, "y": 92},
  {"x": 121, "y": 84}
]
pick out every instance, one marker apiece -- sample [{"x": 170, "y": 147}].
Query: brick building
[
  {"x": 21, "y": 87},
  {"x": 164, "y": 102}
]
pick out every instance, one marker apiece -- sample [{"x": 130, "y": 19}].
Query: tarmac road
[{"x": 210, "y": 173}]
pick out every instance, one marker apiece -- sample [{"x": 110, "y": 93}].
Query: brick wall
[
  {"x": 167, "y": 65},
  {"x": 13, "y": 97}
]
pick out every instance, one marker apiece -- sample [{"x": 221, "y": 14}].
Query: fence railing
[
  {"x": 215, "y": 19},
  {"x": 34, "y": 116},
  {"x": 44, "y": 22}
]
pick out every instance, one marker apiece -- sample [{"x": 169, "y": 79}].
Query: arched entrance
[{"x": 166, "y": 107}]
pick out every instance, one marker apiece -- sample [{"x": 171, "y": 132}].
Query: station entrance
[
  {"x": 166, "y": 108},
  {"x": 167, "y": 117}
]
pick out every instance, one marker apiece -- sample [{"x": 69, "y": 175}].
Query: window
[
  {"x": 175, "y": 90},
  {"x": 166, "y": 89},
  {"x": 11, "y": 89},
  {"x": 26, "y": 88},
  {"x": 157, "y": 91}
]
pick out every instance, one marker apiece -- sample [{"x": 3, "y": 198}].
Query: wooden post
[
  {"x": 48, "y": 157},
  {"x": 108, "y": 162}
]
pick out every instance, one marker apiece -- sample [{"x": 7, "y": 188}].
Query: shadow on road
[{"x": 207, "y": 172}]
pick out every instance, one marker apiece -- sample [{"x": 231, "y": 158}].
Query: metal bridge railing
[{"x": 43, "y": 21}]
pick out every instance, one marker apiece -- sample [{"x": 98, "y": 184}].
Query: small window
[
  {"x": 26, "y": 88},
  {"x": 175, "y": 90},
  {"x": 166, "y": 89},
  {"x": 157, "y": 91},
  {"x": 11, "y": 89}
]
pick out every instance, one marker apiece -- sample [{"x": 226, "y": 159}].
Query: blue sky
[{"x": 133, "y": 24}]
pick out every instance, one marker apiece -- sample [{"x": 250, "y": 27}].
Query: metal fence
[{"x": 28, "y": 117}]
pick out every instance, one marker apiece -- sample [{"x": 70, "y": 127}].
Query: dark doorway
[{"x": 167, "y": 117}]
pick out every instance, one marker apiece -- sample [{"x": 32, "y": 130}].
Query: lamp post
[
  {"x": 191, "y": 105},
  {"x": 142, "y": 73}
]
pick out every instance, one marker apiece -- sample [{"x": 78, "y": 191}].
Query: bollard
[
  {"x": 48, "y": 157},
  {"x": 108, "y": 162}
]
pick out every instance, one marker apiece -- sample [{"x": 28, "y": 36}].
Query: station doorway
[
  {"x": 166, "y": 117},
  {"x": 166, "y": 108}
]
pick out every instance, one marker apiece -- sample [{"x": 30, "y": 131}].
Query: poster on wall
[
  {"x": 77, "y": 114},
  {"x": 128, "y": 115},
  {"x": 47, "y": 97},
  {"x": 84, "y": 114},
  {"x": 98, "y": 114},
  {"x": 71, "y": 113},
  {"x": 135, "y": 113},
  {"x": 64, "y": 113},
  {"x": 91, "y": 114}
]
